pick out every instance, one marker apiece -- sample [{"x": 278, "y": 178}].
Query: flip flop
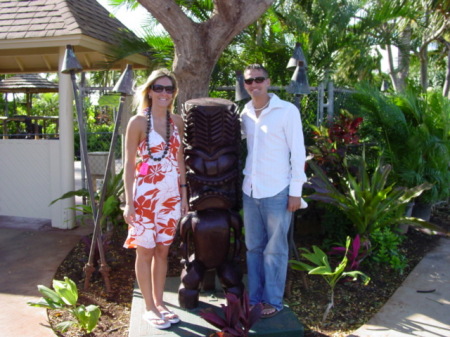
[
  {"x": 151, "y": 318},
  {"x": 170, "y": 316},
  {"x": 268, "y": 311}
]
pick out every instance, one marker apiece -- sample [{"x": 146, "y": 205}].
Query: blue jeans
[{"x": 266, "y": 223}]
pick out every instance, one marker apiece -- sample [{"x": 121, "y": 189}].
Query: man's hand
[{"x": 294, "y": 203}]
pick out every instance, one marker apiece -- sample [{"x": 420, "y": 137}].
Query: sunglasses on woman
[
  {"x": 158, "y": 88},
  {"x": 256, "y": 79}
]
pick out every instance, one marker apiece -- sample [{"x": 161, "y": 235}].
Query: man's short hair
[{"x": 256, "y": 66}]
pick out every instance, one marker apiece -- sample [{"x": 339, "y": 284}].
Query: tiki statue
[{"x": 212, "y": 144}]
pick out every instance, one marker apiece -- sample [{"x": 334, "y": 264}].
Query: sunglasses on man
[
  {"x": 256, "y": 79},
  {"x": 158, "y": 88}
]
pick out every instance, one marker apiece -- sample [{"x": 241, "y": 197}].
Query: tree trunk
[
  {"x": 198, "y": 46},
  {"x": 433, "y": 35},
  {"x": 400, "y": 73},
  {"x": 446, "y": 88},
  {"x": 392, "y": 70},
  {"x": 423, "y": 57},
  {"x": 404, "y": 48}
]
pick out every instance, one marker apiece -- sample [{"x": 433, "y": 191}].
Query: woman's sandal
[
  {"x": 155, "y": 321},
  {"x": 268, "y": 311},
  {"x": 170, "y": 316}
]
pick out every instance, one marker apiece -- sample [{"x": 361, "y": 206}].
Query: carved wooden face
[{"x": 212, "y": 144}]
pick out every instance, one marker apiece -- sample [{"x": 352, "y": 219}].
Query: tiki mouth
[
  {"x": 211, "y": 200},
  {"x": 216, "y": 180},
  {"x": 213, "y": 193}
]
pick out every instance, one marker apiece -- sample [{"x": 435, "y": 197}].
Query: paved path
[
  {"x": 412, "y": 313},
  {"x": 30, "y": 253}
]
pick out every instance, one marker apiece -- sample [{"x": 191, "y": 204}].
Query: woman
[{"x": 155, "y": 189}]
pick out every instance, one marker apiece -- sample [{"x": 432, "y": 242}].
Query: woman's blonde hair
[{"x": 142, "y": 99}]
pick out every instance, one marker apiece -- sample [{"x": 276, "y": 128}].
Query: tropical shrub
[
  {"x": 334, "y": 143},
  {"x": 111, "y": 211},
  {"x": 413, "y": 130},
  {"x": 65, "y": 297},
  {"x": 386, "y": 249},
  {"x": 320, "y": 265},
  {"x": 355, "y": 254},
  {"x": 368, "y": 202},
  {"x": 331, "y": 143}
]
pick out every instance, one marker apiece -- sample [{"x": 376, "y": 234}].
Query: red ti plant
[
  {"x": 331, "y": 143},
  {"x": 237, "y": 318},
  {"x": 355, "y": 254},
  {"x": 345, "y": 129}
]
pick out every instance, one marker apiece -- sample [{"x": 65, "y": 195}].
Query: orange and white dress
[{"x": 156, "y": 193}]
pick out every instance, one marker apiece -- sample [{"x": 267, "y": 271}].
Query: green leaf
[
  {"x": 417, "y": 222},
  {"x": 298, "y": 265},
  {"x": 45, "y": 303},
  {"x": 316, "y": 257},
  {"x": 87, "y": 316},
  {"x": 50, "y": 294},
  {"x": 78, "y": 193},
  {"x": 110, "y": 205},
  {"x": 322, "y": 270},
  {"x": 67, "y": 290},
  {"x": 64, "y": 326},
  {"x": 355, "y": 274}
]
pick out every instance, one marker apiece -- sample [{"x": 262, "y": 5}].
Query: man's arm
[{"x": 296, "y": 143}]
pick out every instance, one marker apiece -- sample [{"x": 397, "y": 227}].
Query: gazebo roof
[
  {"x": 32, "y": 34},
  {"x": 28, "y": 83}
]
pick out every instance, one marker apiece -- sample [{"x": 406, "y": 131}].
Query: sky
[{"x": 131, "y": 19}]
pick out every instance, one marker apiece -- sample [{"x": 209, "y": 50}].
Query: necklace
[
  {"x": 149, "y": 127},
  {"x": 265, "y": 106}
]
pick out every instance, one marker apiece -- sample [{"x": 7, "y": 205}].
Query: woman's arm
[
  {"x": 134, "y": 134},
  {"x": 181, "y": 165}
]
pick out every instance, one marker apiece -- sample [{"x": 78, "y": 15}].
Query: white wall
[{"x": 31, "y": 177}]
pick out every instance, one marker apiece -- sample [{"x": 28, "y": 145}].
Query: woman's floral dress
[{"x": 156, "y": 193}]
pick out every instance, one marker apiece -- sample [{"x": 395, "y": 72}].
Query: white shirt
[{"x": 276, "y": 150}]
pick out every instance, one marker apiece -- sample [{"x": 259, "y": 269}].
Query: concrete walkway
[
  {"x": 30, "y": 253},
  {"x": 421, "y": 306}
]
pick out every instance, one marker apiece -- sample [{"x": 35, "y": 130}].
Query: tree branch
[
  {"x": 237, "y": 14},
  {"x": 234, "y": 14},
  {"x": 434, "y": 36},
  {"x": 171, "y": 17}
]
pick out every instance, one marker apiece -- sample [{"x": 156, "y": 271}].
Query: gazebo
[
  {"x": 27, "y": 84},
  {"x": 33, "y": 39}
]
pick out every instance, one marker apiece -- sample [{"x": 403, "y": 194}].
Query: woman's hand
[
  {"x": 184, "y": 207},
  {"x": 129, "y": 214}
]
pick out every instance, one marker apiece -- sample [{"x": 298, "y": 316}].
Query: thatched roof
[{"x": 28, "y": 83}]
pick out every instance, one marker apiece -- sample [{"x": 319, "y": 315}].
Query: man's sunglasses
[
  {"x": 256, "y": 79},
  {"x": 160, "y": 88}
]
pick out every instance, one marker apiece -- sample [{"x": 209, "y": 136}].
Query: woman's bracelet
[{"x": 183, "y": 185}]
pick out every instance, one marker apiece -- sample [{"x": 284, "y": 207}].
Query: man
[{"x": 273, "y": 180}]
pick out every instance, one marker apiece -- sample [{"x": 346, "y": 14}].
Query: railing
[{"x": 29, "y": 127}]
